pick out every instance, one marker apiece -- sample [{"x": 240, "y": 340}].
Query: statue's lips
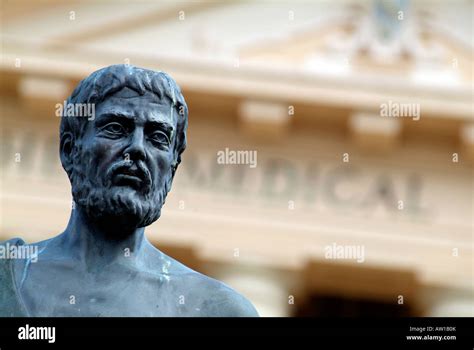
[{"x": 127, "y": 177}]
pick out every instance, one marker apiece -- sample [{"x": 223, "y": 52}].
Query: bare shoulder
[
  {"x": 219, "y": 300},
  {"x": 209, "y": 297},
  {"x": 226, "y": 302}
]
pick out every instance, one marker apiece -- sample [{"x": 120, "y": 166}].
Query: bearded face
[{"x": 122, "y": 166}]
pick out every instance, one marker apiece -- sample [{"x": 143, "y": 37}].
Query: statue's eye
[
  {"x": 159, "y": 138},
  {"x": 114, "y": 129}
]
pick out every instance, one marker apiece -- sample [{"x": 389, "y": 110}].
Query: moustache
[{"x": 136, "y": 169}]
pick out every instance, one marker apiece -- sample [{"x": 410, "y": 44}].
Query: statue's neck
[{"x": 97, "y": 247}]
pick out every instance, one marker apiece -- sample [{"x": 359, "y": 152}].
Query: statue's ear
[
  {"x": 66, "y": 150},
  {"x": 173, "y": 169},
  {"x": 174, "y": 166}
]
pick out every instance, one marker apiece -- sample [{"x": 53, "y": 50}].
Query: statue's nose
[{"x": 136, "y": 148}]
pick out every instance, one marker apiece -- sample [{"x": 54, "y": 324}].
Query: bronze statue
[{"x": 121, "y": 162}]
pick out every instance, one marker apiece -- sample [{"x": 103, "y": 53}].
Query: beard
[{"x": 119, "y": 208}]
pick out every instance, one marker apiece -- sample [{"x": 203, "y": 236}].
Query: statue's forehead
[
  {"x": 129, "y": 102},
  {"x": 129, "y": 96}
]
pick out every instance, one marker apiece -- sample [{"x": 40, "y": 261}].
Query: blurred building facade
[{"x": 360, "y": 114}]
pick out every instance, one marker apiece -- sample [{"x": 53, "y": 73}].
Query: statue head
[{"x": 121, "y": 161}]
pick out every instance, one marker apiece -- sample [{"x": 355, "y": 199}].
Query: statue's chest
[{"x": 57, "y": 294}]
